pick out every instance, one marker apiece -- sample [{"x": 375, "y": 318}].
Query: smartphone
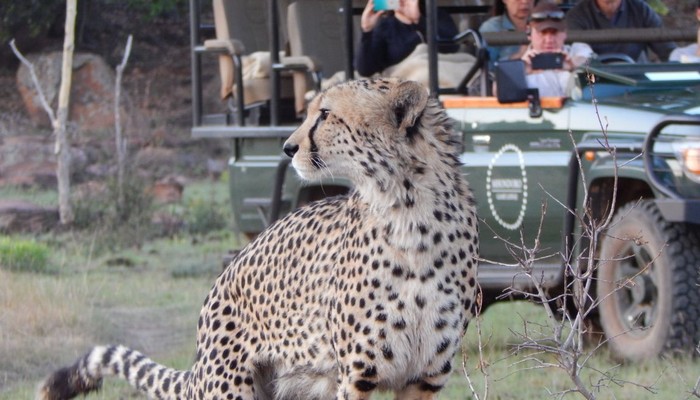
[
  {"x": 548, "y": 61},
  {"x": 382, "y": 5}
]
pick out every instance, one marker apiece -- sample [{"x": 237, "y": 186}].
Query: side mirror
[{"x": 511, "y": 86}]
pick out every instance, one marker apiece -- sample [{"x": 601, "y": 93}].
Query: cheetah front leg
[
  {"x": 355, "y": 388},
  {"x": 427, "y": 388},
  {"x": 417, "y": 392}
]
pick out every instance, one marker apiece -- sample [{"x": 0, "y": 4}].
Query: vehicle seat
[
  {"x": 316, "y": 32},
  {"x": 242, "y": 40}
]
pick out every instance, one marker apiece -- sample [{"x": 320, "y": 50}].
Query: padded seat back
[
  {"x": 243, "y": 25},
  {"x": 316, "y": 29}
]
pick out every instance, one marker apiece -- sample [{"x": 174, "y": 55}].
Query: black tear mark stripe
[{"x": 313, "y": 149}]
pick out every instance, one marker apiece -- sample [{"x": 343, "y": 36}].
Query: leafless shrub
[{"x": 561, "y": 342}]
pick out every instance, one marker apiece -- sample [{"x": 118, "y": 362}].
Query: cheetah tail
[{"x": 86, "y": 375}]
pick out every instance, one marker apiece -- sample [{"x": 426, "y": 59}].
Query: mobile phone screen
[{"x": 381, "y": 5}]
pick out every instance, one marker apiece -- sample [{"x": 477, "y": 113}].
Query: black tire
[{"x": 646, "y": 311}]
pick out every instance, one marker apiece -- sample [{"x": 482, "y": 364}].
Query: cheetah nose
[{"x": 290, "y": 149}]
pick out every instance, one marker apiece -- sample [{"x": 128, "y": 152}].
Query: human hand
[
  {"x": 547, "y": 60},
  {"x": 526, "y": 56},
  {"x": 370, "y": 17},
  {"x": 569, "y": 63}
]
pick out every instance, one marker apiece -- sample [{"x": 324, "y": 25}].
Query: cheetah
[{"x": 367, "y": 292}]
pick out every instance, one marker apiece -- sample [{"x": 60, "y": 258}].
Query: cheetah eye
[{"x": 324, "y": 113}]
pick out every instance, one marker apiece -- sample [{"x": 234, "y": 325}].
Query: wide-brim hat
[{"x": 547, "y": 15}]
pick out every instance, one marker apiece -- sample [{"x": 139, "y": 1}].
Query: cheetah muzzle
[{"x": 348, "y": 295}]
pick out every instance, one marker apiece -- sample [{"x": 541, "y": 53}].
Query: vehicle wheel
[{"x": 648, "y": 284}]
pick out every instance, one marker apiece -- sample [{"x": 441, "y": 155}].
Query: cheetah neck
[{"x": 409, "y": 205}]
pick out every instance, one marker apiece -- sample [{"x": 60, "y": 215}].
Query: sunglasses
[{"x": 541, "y": 16}]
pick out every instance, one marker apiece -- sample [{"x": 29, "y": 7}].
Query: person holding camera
[
  {"x": 390, "y": 36},
  {"x": 548, "y": 61}
]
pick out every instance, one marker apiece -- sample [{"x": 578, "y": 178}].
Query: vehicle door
[{"x": 517, "y": 167}]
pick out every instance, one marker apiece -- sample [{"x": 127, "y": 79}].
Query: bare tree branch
[
  {"x": 60, "y": 117},
  {"x": 35, "y": 80}
]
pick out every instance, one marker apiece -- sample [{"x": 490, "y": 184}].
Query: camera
[{"x": 548, "y": 61}]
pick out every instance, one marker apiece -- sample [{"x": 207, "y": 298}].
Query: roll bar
[
  {"x": 601, "y": 36},
  {"x": 490, "y": 38}
]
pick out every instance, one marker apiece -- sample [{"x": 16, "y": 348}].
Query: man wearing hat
[{"x": 547, "y": 34}]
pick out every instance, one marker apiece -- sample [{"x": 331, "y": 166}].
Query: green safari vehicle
[{"x": 624, "y": 147}]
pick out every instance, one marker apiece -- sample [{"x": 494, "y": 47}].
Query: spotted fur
[{"x": 371, "y": 291}]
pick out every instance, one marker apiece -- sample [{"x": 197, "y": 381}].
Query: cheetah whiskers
[{"x": 323, "y": 166}]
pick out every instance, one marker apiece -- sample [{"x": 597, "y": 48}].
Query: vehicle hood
[{"x": 669, "y": 101}]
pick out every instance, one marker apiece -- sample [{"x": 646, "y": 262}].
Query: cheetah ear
[{"x": 409, "y": 99}]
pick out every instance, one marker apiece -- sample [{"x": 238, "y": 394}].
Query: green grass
[
  {"x": 135, "y": 296},
  {"x": 23, "y": 255},
  {"x": 149, "y": 297},
  {"x": 514, "y": 375},
  {"x": 81, "y": 309},
  {"x": 46, "y": 198}
]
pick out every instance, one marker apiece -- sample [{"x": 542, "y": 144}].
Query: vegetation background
[{"x": 138, "y": 282}]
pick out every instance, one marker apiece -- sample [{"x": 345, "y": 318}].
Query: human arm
[
  {"x": 579, "y": 53},
  {"x": 371, "y": 51},
  {"x": 578, "y": 17},
  {"x": 371, "y": 54},
  {"x": 370, "y": 17}
]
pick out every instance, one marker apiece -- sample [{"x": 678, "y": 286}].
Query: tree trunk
[
  {"x": 120, "y": 141},
  {"x": 62, "y": 144}
]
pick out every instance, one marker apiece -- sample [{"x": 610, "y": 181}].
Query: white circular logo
[{"x": 507, "y": 189}]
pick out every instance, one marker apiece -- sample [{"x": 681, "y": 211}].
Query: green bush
[
  {"x": 204, "y": 216},
  {"x": 155, "y": 8},
  {"x": 116, "y": 225},
  {"x": 34, "y": 16},
  {"x": 23, "y": 255}
]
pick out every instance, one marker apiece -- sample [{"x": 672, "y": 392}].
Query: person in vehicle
[
  {"x": 610, "y": 14},
  {"x": 508, "y": 15},
  {"x": 691, "y": 52},
  {"x": 547, "y": 34},
  {"x": 389, "y": 37}
]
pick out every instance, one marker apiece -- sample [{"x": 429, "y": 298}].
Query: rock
[
  {"x": 18, "y": 216},
  {"x": 28, "y": 174},
  {"x": 29, "y": 161},
  {"x": 92, "y": 91},
  {"x": 158, "y": 162},
  {"x": 168, "y": 190}
]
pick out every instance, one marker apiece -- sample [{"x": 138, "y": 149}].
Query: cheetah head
[{"x": 358, "y": 130}]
